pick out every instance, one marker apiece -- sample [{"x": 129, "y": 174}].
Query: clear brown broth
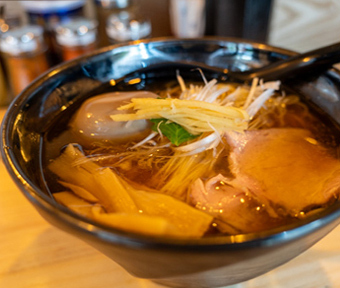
[{"x": 324, "y": 130}]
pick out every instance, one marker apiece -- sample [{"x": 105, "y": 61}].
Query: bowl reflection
[{"x": 209, "y": 262}]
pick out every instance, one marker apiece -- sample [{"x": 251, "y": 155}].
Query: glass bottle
[
  {"x": 127, "y": 25},
  {"x": 76, "y": 37},
  {"x": 187, "y": 18},
  {"x": 24, "y": 53},
  {"x": 104, "y": 8},
  {"x": 49, "y": 14},
  {"x": 4, "y": 97}
]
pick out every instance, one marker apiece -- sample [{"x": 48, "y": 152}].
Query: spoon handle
[{"x": 313, "y": 61}]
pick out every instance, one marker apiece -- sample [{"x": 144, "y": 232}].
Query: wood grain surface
[
  {"x": 302, "y": 25},
  {"x": 34, "y": 254}
]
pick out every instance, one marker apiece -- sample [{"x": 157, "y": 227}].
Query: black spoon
[{"x": 312, "y": 62}]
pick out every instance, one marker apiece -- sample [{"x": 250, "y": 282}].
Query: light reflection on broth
[{"x": 222, "y": 189}]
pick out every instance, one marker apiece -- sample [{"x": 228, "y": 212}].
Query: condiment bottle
[
  {"x": 125, "y": 26},
  {"x": 187, "y": 18},
  {"x": 4, "y": 97},
  {"x": 104, "y": 8},
  {"x": 76, "y": 37},
  {"x": 3, "y": 87},
  {"x": 24, "y": 53},
  {"x": 49, "y": 14},
  {"x": 9, "y": 18}
]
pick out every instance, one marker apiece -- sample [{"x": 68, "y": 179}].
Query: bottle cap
[
  {"x": 76, "y": 32},
  {"x": 125, "y": 26},
  {"x": 22, "y": 39}
]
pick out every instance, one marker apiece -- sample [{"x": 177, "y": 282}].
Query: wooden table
[{"x": 34, "y": 254}]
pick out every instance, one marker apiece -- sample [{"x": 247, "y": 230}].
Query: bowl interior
[{"x": 45, "y": 101}]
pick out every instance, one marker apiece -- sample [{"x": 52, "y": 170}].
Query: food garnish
[
  {"x": 195, "y": 173},
  {"x": 119, "y": 205},
  {"x": 173, "y": 131},
  {"x": 208, "y": 110}
]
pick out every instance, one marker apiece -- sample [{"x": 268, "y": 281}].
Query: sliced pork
[
  {"x": 235, "y": 208},
  {"x": 283, "y": 171}
]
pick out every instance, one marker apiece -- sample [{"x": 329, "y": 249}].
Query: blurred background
[{"x": 36, "y": 35}]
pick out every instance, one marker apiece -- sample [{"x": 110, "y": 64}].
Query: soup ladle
[
  {"x": 310, "y": 63},
  {"x": 313, "y": 62}
]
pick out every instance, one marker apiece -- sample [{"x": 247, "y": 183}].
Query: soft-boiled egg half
[{"x": 92, "y": 122}]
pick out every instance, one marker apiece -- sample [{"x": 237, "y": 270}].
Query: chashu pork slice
[
  {"x": 277, "y": 173},
  {"x": 292, "y": 170},
  {"x": 236, "y": 209}
]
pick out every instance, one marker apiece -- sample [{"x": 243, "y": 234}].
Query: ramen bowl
[{"x": 214, "y": 261}]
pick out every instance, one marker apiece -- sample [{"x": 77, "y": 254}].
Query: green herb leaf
[{"x": 173, "y": 131}]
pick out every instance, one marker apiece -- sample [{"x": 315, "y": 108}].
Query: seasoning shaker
[
  {"x": 4, "y": 97},
  {"x": 187, "y": 18},
  {"x": 24, "y": 53},
  {"x": 76, "y": 37},
  {"x": 127, "y": 25},
  {"x": 104, "y": 8},
  {"x": 3, "y": 86},
  {"x": 9, "y": 19},
  {"x": 49, "y": 14}
]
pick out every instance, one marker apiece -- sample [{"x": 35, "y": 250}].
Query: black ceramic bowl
[{"x": 208, "y": 262}]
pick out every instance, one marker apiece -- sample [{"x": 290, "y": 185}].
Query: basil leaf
[{"x": 173, "y": 131}]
